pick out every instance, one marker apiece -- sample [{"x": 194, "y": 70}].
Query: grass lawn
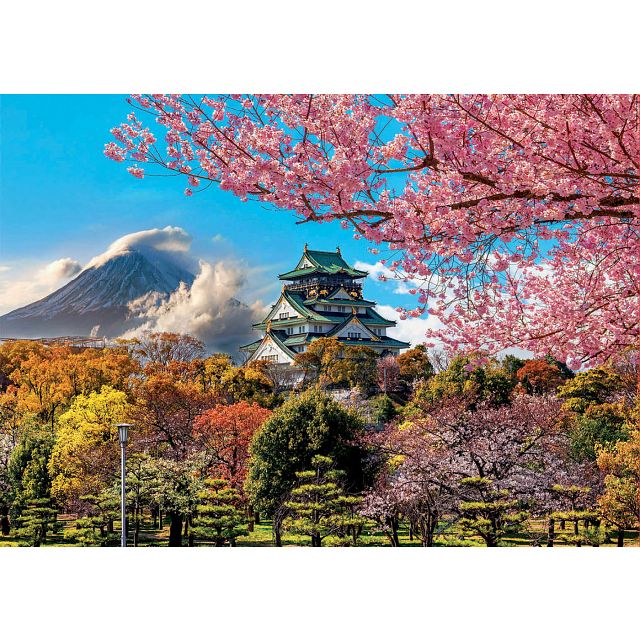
[{"x": 261, "y": 536}]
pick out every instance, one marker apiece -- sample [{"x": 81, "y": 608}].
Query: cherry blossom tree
[
  {"x": 517, "y": 215},
  {"x": 455, "y": 455}
]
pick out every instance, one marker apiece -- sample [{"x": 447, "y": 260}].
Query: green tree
[
  {"x": 382, "y": 409},
  {"x": 95, "y": 528},
  {"x": 38, "y": 518},
  {"x": 27, "y": 468},
  {"x": 139, "y": 480},
  {"x": 318, "y": 361},
  {"x": 587, "y": 388},
  {"x": 356, "y": 368},
  {"x": 599, "y": 425},
  {"x": 219, "y": 517},
  {"x": 575, "y": 508},
  {"x": 488, "y": 512},
  {"x": 598, "y": 413},
  {"x": 511, "y": 365},
  {"x": 466, "y": 378},
  {"x": 304, "y": 426},
  {"x": 319, "y": 508}
]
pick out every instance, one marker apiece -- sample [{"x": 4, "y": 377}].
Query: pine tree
[
  {"x": 488, "y": 512},
  {"x": 220, "y": 518},
  {"x": 576, "y": 510},
  {"x": 95, "y": 529},
  {"x": 36, "y": 521},
  {"x": 319, "y": 508}
]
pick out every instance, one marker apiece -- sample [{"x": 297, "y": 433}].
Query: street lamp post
[{"x": 123, "y": 434}]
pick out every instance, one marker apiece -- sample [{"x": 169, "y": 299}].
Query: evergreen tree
[
  {"x": 27, "y": 467},
  {"x": 219, "y": 519},
  {"x": 37, "y": 520},
  {"x": 488, "y": 512},
  {"x": 96, "y": 529},
  {"x": 304, "y": 426},
  {"x": 319, "y": 508}
]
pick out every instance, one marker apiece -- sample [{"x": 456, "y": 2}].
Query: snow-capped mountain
[{"x": 96, "y": 302}]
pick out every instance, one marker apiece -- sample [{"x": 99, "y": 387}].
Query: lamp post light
[{"x": 123, "y": 435}]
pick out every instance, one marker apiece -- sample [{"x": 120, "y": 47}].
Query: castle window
[
  {"x": 270, "y": 358},
  {"x": 284, "y": 315},
  {"x": 289, "y": 330},
  {"x": 354, "y": 334},
  {"x": 326, "y": 307}
]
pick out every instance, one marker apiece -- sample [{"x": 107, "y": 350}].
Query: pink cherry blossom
[{"x": 519, "y": 212}]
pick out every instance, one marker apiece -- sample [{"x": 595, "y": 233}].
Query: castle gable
[
  {"x": 353, "y": 329},
  {"x": 283, "y": 310},
  {"x": 340, "y": 294},
  {"x": 271, "y": 351}
]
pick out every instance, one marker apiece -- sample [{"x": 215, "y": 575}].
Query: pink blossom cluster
[{"x": 519, "y": 212}]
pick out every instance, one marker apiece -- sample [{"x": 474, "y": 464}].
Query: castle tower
[{"x": 322, "y": 297}]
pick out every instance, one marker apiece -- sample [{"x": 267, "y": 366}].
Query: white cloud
[
  {"x": 174, "y": 240},
  {"x": 34, "y": 282},
  {"x": 60, "y": 269},
  {"x": 412, "y": 329},
  {"x": 403, "y": 284},
  {"x": 209, "y": 310}
]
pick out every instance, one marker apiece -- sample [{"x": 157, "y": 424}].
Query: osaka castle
[{"x": 321, "y": 298}]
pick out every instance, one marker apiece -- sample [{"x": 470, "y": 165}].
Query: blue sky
[{"x": 61, "y": 197}]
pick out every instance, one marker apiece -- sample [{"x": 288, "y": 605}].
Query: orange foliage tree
[
  {"x": 539, "y": 376},
  {"x": 226, "y": 432}
]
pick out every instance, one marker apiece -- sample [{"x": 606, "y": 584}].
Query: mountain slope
[{"x": 96, "y": 301}]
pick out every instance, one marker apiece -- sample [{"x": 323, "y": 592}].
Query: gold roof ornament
[
  {"x": 306, "y": 247},
  {"x": 338, "y": 250},
  {"x": 268, "y": 326},
  {"x": 353, "y": 311}
]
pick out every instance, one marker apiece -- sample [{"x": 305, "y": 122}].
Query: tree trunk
[
  {"x": 136, "y": 528},
  {"x": 191, "y": 539},
  {"x": 551, "y": 532},
  {"x": 256, "y": 517},
  {"x": 621, "y": 537},
  {"x": 5, "y": 524},
  {"x": 160, "y": 523},
  {"x": 250, "y": 518},
  {"x": 395, "y": 525},
  {"x": 315, "y": 541},
  {"x": 175, "y": 529},
  {"x": 277, "y": 534}
]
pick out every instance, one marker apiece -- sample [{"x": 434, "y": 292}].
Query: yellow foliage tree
[
  {"x": 84, "y": 459},
  {"x": 620, "y": 501}
]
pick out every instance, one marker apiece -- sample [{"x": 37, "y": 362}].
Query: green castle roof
[
  {"x": 323, "y": 263},
  {"x": 297, "y": 301}
]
